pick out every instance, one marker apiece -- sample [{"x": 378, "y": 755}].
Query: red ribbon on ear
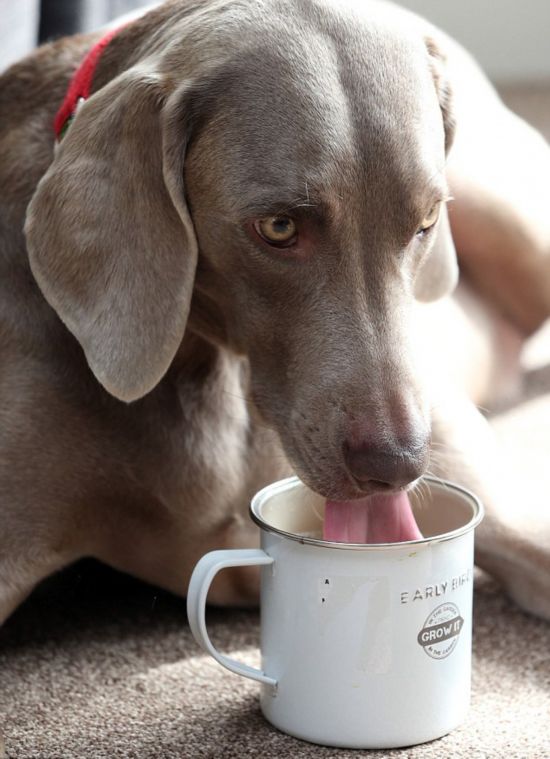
[{"x": 80, "y": 84}]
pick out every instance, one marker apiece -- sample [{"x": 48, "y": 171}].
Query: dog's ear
[
  {"x": 110, "y": 239},
  {"x": 439, "y": 273},
  {"x": 437, "y": 63}
]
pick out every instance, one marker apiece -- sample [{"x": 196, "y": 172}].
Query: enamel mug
[{"x": 363, "y": 646}]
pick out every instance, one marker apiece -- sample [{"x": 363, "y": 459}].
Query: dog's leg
[
  {"x": 513, "y": 541},
  {"x": 499, "y": 173}
]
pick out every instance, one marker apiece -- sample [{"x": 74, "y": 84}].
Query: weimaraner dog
[{"x": 237, "y": 263}]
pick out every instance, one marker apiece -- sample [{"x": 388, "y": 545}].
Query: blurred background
[{"x": 508, "y": 37}]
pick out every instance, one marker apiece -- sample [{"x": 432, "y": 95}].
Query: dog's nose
[{"x": 387, "y": 462}]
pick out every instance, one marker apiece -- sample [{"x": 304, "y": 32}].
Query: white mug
[{"x": 363, "y": 646}]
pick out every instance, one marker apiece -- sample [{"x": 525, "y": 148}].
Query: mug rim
[{"x": 289, "y": 483}]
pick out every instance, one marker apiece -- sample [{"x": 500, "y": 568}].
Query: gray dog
[{"x": 225, "y": 274}]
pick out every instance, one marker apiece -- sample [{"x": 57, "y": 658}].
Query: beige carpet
[
  {"x": 96, "y": 665},
  {"x": 99, "y": 666}
]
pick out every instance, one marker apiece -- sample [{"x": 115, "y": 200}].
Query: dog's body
[{"x": 222, "y": 384}]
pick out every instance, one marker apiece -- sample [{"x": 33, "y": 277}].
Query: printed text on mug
[{"x": 436, "y": 590}]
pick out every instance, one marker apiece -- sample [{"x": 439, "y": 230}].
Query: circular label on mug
[{"x": 440, "y": 632}]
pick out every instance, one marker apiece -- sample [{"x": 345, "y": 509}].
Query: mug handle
[{"x": 201, "y": 579}]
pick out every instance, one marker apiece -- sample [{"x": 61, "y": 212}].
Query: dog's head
[{"x": 275, "y": 183}]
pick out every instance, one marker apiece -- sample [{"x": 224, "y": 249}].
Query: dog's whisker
[
  {"x": 421, "y": 490},
  {"x": 237, "y": 395},
  {"x": 483, "y": 409}
]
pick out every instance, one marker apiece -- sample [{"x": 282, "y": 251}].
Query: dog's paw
[{"x": 518, "y": 556}]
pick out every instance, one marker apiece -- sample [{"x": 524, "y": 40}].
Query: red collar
[{"x": 80, "y": 85}]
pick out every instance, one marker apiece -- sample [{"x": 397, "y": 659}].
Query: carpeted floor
[
  {"x": 99, "y": 666},
  {"x": 96, "y": 665}
]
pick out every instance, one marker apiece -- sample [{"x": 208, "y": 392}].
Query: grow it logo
[{"x": 439, "y": 635}]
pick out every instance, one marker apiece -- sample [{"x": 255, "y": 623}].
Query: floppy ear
[
  {"x": 437, "y": 61},
  {"x": 110, "y": 239},
  {"x": 439, "y": 273}
]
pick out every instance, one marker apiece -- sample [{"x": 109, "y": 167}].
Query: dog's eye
[
  {"x": 429, "y": 221},
  {"x": 277, "y": 230}
]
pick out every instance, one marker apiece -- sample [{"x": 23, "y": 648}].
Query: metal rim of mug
[{"x": 291, "y": 482}]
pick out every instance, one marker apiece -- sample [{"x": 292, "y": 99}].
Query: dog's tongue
[{"x": 374, "y": 519}]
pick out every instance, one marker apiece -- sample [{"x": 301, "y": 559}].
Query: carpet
[{"x": 97, "y": 665}]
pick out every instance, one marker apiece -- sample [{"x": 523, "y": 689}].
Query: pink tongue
[{"x": 373, "y": 519}]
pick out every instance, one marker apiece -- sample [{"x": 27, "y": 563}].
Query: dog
[{"x": 237, "y": 264}]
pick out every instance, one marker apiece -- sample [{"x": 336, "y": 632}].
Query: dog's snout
[
  {"x": 384, "y": 468},
  {"x": 386, "y": 462}
]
